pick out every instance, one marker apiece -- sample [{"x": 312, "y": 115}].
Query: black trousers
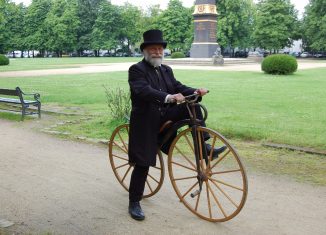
[{"x": 139, "y": 173}]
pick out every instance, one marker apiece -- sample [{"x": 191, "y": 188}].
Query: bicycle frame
[{"x": 194, "y": 123}]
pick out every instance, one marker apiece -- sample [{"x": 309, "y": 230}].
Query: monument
[{"x": 205, "y": 21}]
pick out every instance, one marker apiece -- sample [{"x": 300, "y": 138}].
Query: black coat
[{"x": 147, "y": 98}]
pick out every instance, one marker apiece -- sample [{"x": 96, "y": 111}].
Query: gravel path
[{"x": 64, "y": 187}]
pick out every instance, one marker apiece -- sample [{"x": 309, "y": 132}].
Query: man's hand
[
  {"x": 176, "y": 98},
  {"x": 202, "y": 91}
]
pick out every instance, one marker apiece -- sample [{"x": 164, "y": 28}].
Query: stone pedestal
[{"x": 205, "y": 22}]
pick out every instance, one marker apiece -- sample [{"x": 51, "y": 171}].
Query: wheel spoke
[
  {"x": 225, "y": 194},
  {"x": 153, "y": 178},
  {"x": 225, "y": 172},
  {"x": 192, "y": 147},
  {"x": 121, "y": 166},
  {"x": 208, "y": 200},
  {"x": 189, "y": 190},
  {"x": 120, "y": 157},
  {"x": 211, "y": 152},
  {"x": 221, "y": 182},
  {"x": 156, "y": 167},
  {"x": 120, "y": 147},
  {"x": 149, "y": 186},
  {"x": 124, "y": 144},
  {"x": 126, "y": 174},
  {"x": 185, "y": 157},
  {"x": 219, "y": 160},
  {"x": 185, "y": 178},
  {"x": 184, "y": 166},
  {"x": 216, "y": 200}
]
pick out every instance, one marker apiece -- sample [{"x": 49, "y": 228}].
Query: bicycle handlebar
[{"x": 193, "y": 98}]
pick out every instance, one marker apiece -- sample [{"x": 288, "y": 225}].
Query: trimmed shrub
[
  {"x": 176, "y": 55},
  {"x": 3, "y": 60},
  {"x": 279, "y": 64}
]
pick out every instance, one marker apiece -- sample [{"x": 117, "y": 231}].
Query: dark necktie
[
  {"x": 160, "y": 81},
  {"x": 157, "y": 70}
]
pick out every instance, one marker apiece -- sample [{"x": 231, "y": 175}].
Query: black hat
[{"x": 153, "y": 36}]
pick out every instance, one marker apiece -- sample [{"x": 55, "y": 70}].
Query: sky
[{"x": 299, "y": 4}]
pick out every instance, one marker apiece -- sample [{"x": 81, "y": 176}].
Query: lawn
[
  {"x": 19, "y": 64},
  {"x": 243, "y": 105}
]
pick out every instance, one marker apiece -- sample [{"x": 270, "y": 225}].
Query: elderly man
[{"x": 154, "y": 90}]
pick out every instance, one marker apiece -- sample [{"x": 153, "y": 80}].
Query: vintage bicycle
[{"x": 213, "y": 189}]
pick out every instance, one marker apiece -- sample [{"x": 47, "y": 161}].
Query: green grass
[
  {"x": 301, "y": 166},
  {"x": 247, "y": 105},
  {"x": 19, "y": 64}
]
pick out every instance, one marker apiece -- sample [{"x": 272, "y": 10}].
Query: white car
[{"x": 304, "y": 54}]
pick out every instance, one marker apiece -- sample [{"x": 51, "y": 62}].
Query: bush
[
  {"x": 3, "y": 60},
  {"x": 119, "y": 104},
  {"x": 176, "y": 55},
  {"x": 279, "y": 64}
]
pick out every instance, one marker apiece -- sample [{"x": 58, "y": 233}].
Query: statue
[{"x": 217, "y": 57}]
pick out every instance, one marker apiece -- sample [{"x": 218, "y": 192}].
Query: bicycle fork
[{"x": 200, "y": 175}]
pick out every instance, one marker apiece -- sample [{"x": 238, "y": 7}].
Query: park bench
[{"x": 25, "y": 104}]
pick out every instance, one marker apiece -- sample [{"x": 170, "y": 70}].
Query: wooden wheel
[
  {"x": 118, "y": 155},
  {"x": 224, "y": 181}
]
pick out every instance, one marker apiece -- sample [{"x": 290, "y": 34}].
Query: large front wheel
[
  {"x": 222, "y": 181},
  {"x": 122, "y": 169}
]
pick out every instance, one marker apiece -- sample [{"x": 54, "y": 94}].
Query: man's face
[{"x": 154, "y": 54}]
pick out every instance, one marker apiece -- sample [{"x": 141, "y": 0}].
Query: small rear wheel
[
  {"x": 223, "y": 180},
  {"x": 122, "y": 169}
]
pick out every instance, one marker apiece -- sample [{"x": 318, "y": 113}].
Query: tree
[
  {"x": 35, "y": 25},
  {"x": 235, "y": 23},
  {"x": 175, "y": 22},
  {"x": 11, "y": 26},
  {"x": 16, "y": 27},
  {"x": 106, "y": 30},
  {"x": 275, "y": 24},
  {"x": 314, "y": 26},
  {"x": 62, "y": 23},
  {"x": 87, "y": 14},
  {"x": 3, "y": 22},
  {"x": 130, "y": 25}
]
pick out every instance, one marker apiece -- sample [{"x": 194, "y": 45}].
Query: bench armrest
[{"x": 36, "y": 95}]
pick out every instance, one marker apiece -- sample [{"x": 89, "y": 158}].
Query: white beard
[{"x": 155, "y": 62}]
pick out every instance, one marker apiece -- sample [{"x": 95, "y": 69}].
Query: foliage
[
  {"x": 130, "y": 25},
  {"x": 175, "y": 22},
  {"x": 279, "y": 64},
  {"x": 36, "y": 29},
  {"x": 106, "y": 30},
  {"x": 235, "y": 23},
  {"x": 118, "y": 101},
  {"x": 177, "y": 54},
  {"x": 314, "y": 25},
  {"x": 3, "y": 60},
  {"x": 62, "y": 23},
  {"x": 87, "y": 11},
  {"x": 275, "y": 24}
]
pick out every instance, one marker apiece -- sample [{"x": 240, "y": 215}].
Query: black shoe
[
  {"x": 135, "y": 211},
  {"x": 216, "y": 151}
]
